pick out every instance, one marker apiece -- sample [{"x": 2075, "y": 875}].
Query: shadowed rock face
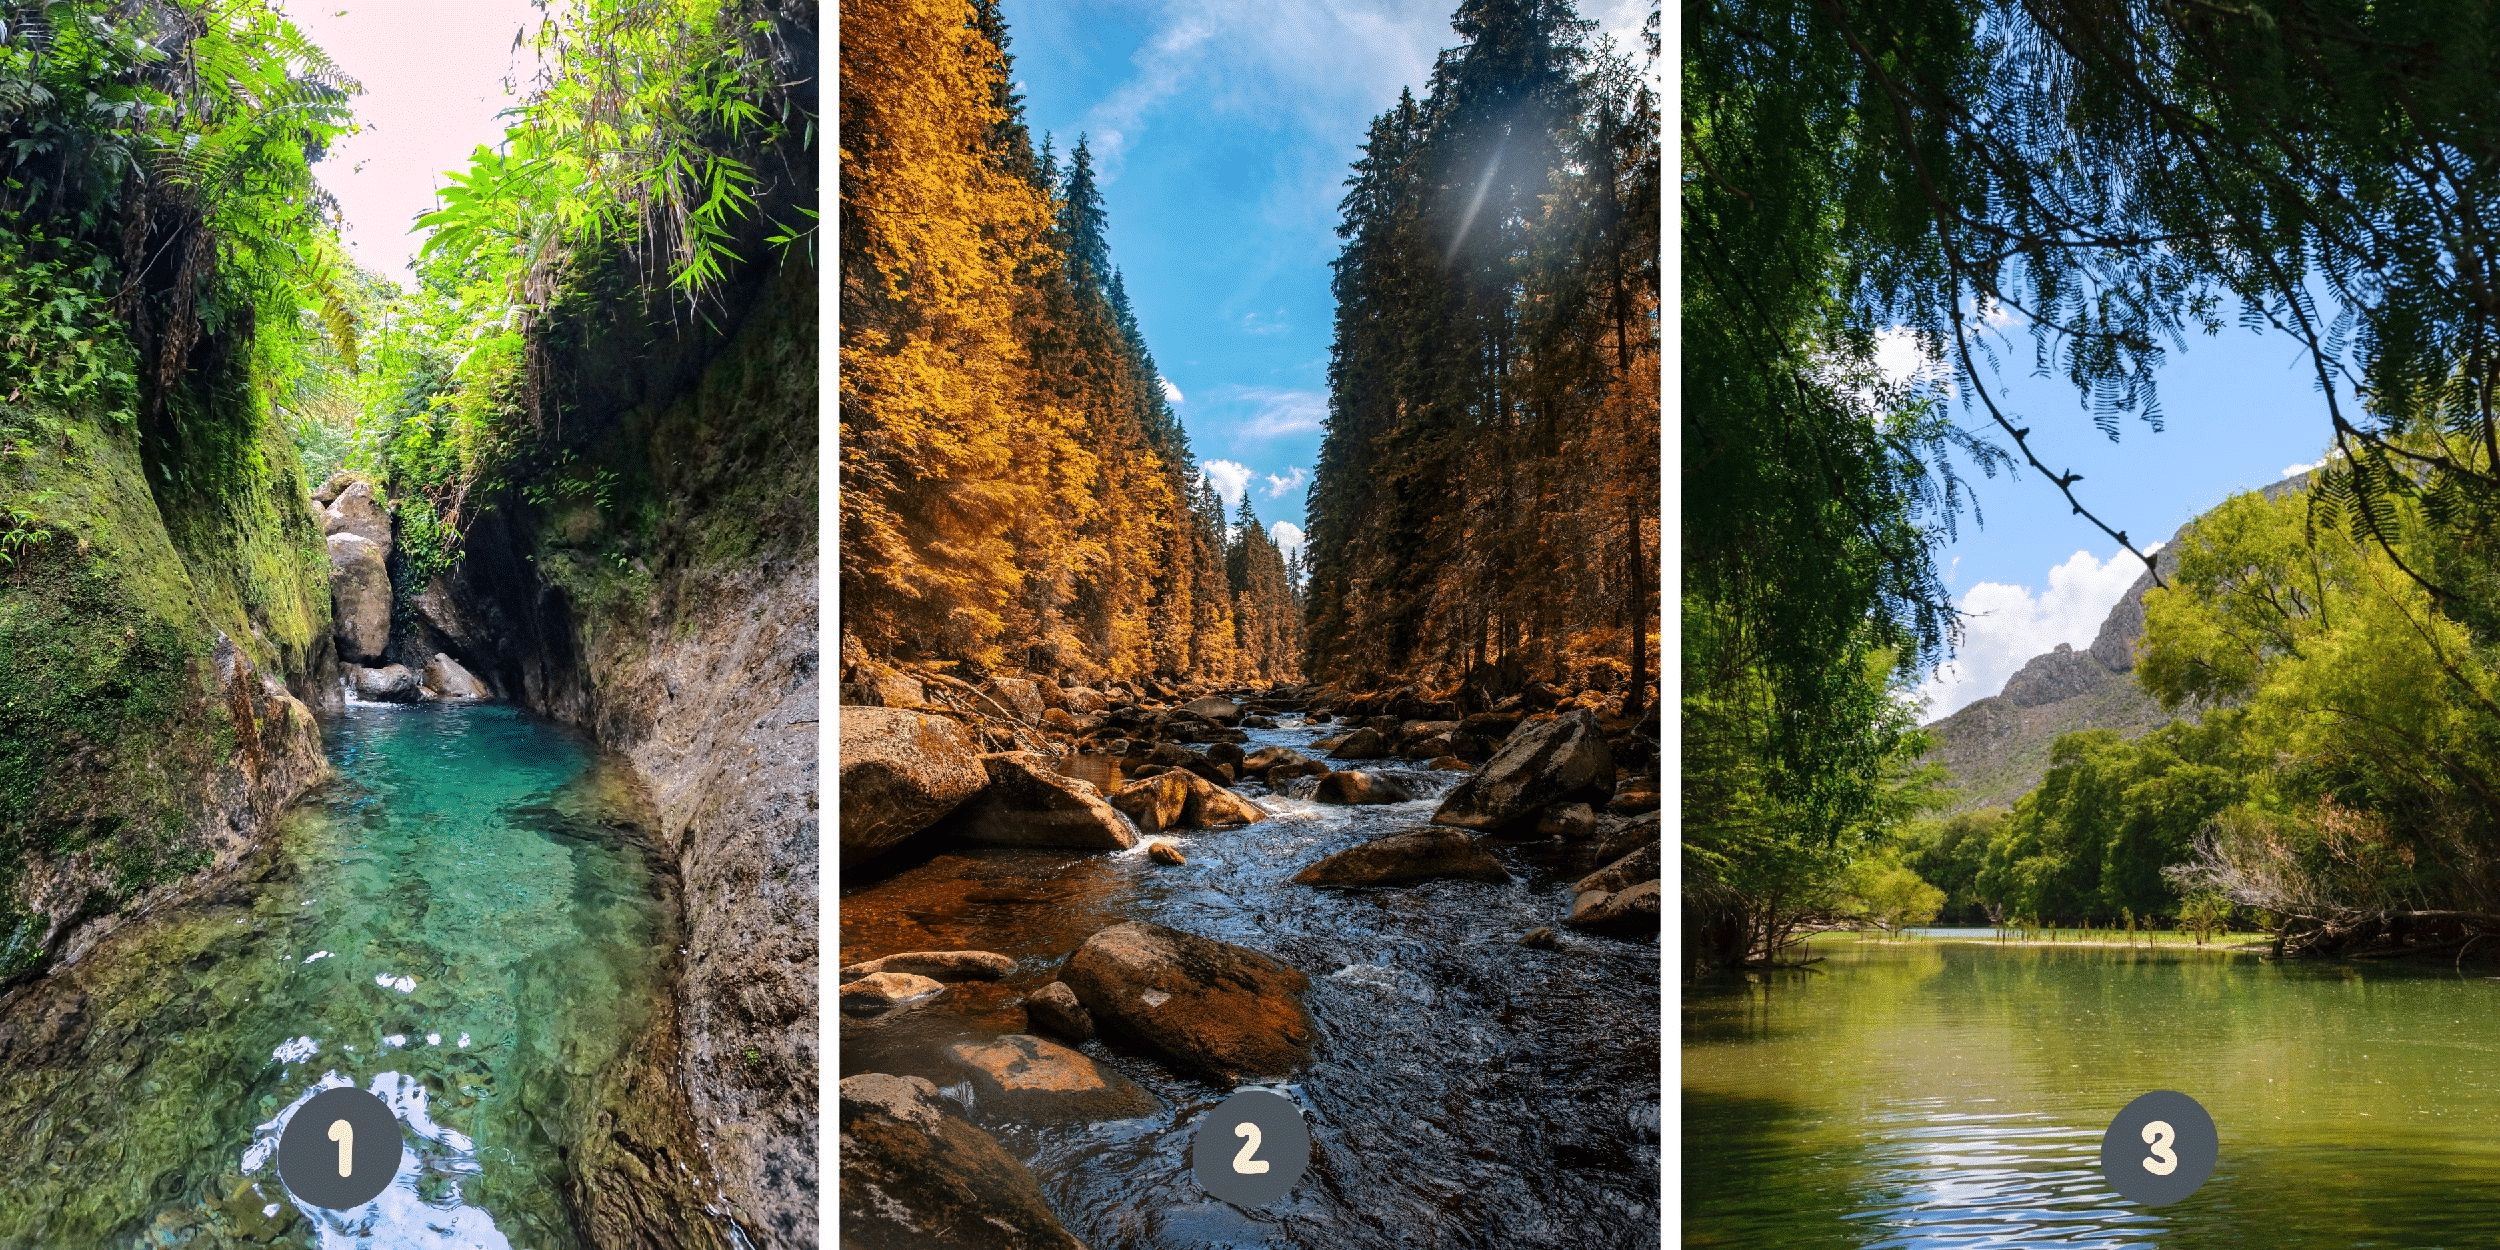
[
  {"x": 1541, "y": 764},
  {"x": 1220, "y": 1010},
  {"x": 1027, "y": 803},
  {"x": 916, "y": 1176}
]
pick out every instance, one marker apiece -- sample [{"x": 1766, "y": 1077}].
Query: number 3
[
  {"x": 2159, "y": 1135},
  {"x": 344, "y": 1134},
  {"x": 1242, "y": 1162}
]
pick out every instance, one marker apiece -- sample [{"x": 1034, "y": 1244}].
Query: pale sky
[{"x": 434, "y": 73}]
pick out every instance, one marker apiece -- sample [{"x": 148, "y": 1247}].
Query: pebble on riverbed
[{"x": 1542, "y": 939}]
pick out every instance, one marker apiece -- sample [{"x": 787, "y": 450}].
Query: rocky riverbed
[{"x": 1433, "y": 930}]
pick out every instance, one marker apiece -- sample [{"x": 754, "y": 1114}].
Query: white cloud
[
  {"x": 1170, "y": 391},
  {"x": 1289, "y": 536},
  {"x": 2295, "y": 470},
  {"x": 1261, "y": 323},
  {"x": 1292, "y": 479},
  {"x": 2004, "y": 626},
  {"x": 1276, "y": 411},
  {"x": 1232, "y": 479}
]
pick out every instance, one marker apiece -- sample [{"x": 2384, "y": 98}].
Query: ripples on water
[
  {"x": 1953, "y": 1095},
  {"x": 1467, "y": 1092},
  {"x": 463, "y": 925}
]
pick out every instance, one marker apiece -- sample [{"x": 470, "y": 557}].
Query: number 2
[
  {"x": 1242, "y": 1162},
  {"x": 2159, "y": 1135},
  {"x": 344, "y": 1134}
]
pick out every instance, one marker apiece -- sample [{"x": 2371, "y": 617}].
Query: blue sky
[
  {"x": 1224, "y": 130},
  {"x": 2239, "y": 410}
]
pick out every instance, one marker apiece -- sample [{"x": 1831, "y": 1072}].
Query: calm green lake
[
  {"x": 1953, "y": 1094},
  {"x": 464, "y": 923}
]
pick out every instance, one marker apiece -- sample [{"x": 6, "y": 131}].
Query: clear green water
[
  {"x": 465, "y": 923},
  {"x": 1933, "y": 1094}
]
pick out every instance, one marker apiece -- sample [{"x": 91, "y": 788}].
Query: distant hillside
[{"x": 1997, "y": 749}]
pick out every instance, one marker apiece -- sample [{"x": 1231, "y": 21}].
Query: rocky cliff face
[
  {"x": 661, "y": 592},
  {"x": 165, "y": 637},
  {"x": 1997, "y": 749}
]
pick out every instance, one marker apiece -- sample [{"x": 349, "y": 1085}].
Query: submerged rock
[
  {"x": 360, "y": 597},
  {"x": 1542, "y": 939},
  {"x": 1166, "y": 853},
  {"x": 1541, "y": 765},
  {"x": 1027, "y": 803},
  {"x": 1407, "y": 855},
  {"x": 391, "y": 683},
  {"x": 1027, "y": 1078},
  {"x": 445, "y": 677},
  {"x": 943, "y": 965},
  {"x": 1054, "y": 1007},
  {"x": 1355, "y": 786},
  {"x": 1219, "y": 1010},
  {"x": 916, "y": 1176},
  {"x": 884, "y": 991},
  {"x": 901, "y": 772}
]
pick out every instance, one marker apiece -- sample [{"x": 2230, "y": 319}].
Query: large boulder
[
  {"x": 1027, "y": 803},
  {"x": 1362, "y": 744},
  {"x": 1265, "y": 758},
  {"x": 1022, "y": 697},
  {"x": 1572, "y": 822},
  {"x": 445, "y": 677},
  {"x": 901, "y": 772},
  {"x": 1219, "y": 1010},
  {"x": 391, "y": 683},
  {"x": 1353, "y": 786},
  {"x": 916, "y": 1176},
  {"x": 1408, "y": 855},
  {"x": 1543, "y": 764},
  {"x": 1026, "y": 1078},
  {"x": 360, "y": 597},
  {"x": 357, "y": 512},
  {"x": 1183, "y": 800}
]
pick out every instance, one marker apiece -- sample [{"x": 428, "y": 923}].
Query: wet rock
[
  {"x": 1283, "y": 773},
  {"x": 1154, "y": 801},
  {"x": 1054, "y": 1007},
  {"x": 445, "y": 626},
  {"x": 1636, "y": 796},
  {"x": 1355, "y": 786},
  {"x": 1228, "y": 754},
  {"x": 1220, "y": 1010},
  {"x": 391, "y": 683},
  {"x": 915, "y": 1176},
  {"x": 1563, "y": 760},
  {"x": 1027, "y": 803},
  {"x": 1265, "y": 758},
  {"x": 1428, "y": 748},
  {"x": 1624, "y": 913},
  {"x": 1025, "y": 1078},
  {"x": 1415, "y": 731},
  {"x": 1214, "y": 773},
  {"x": 1423, "y": 854},
  {"x": 901, "y": 772},
  {"x": 445, "y": 677},
  {"x": 1214, "y": 807},
  {"x": 1221, "y": 711},
  {"x": 1542, "y": 939},
  {"x": 357, "y": 512},
  {"x": 885, "y": 991},
  {"x": 943, "y": 965},
  {"x": 1329, "y": 745},
  {"x": 1617, "y": 837},
  {"x": 1571, "y": 822},
  {"x": 1450, "y": 764},
  {"x": 1362, "y": 744},
  {"x": 360, "y": 597},
  {"x": 1642, "y": 864},
  {"x": 1258, "y": 722},
  {"x": 1166, "y": 853}
]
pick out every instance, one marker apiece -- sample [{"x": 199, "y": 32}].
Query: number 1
[
  {"x": 2159, "y": 1135},
  {"x": 344, "y": 1134},
  {"x": 1242, "y": 1162}
]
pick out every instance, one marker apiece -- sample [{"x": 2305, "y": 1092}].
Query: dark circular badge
[
  {"x": 2160, "y": 1148},
  {"x": 1251, "y": 1149},
  {"x": 340, "y": 1150}
]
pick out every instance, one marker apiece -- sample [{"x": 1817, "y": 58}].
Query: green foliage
[
  {"x": 57, "y": 331},
  {"x": 1891, "y": 896}
]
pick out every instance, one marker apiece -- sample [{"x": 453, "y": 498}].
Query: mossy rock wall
[{"x": 164, "y": 621}]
